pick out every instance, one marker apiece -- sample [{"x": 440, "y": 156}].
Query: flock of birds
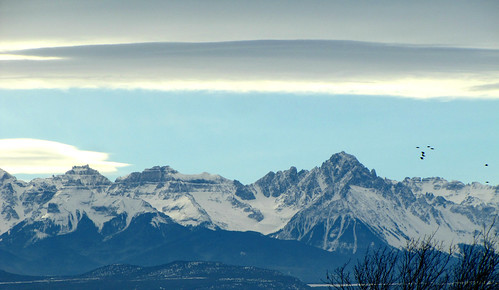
[{"x": 423, "y": 154}]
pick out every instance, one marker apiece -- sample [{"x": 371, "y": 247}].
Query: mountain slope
[
  {"x": 55, "y": 206},
  {"x": 340, "y": 206},
  {"x": 353, "y": 208},
  {"x": 144, "y": 244},
  {"x": 11, "y": 210},
  {"x": 200, "y": 200}
]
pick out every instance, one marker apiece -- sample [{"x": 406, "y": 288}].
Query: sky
[{"x": 241, "y": 88}]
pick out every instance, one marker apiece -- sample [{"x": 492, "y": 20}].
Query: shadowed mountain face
[
  {"x": 81, "y": 220},
  {"x": 144, "y": 243}
]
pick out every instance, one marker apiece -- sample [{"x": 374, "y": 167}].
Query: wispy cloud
[
  {"x": 4, "y": 56},
  {"x": 330, "y": 67},
  {"x": 34, "y": 156}
]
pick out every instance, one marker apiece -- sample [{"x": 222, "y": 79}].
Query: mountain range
[{"x": 297, "y": 222}]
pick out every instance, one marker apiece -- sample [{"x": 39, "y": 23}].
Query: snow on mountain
[
  {"x": 168, "y": 192},
  {"x": 54, "y": 206},
  {"x": 340, "y": 205},
  {"x": 202, "y": 199},
  {"x": 455, "y": 191},
  {"x": 364, "y": 216},
  {"x": 10, "y": 205},
  {"x": 343, "y": 201}
]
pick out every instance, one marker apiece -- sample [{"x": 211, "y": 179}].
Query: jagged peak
[
  {"x": 346, "y": 168},
  {"x": 5, "y": 175},
  {"x": 342, "y": 157},
  {"x": 338, "y": 165},
  {"x": 291, "y": 172},
  {"x": 343, "y": 161}
]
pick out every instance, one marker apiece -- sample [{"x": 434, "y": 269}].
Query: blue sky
[
  {"x": 202, "y": 99},
  {"x": 243, "y": 136}
]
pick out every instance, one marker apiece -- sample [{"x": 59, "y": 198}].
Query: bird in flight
[
  {"x": 486, "y": 164},
  {"x": 423, "y": 153}
]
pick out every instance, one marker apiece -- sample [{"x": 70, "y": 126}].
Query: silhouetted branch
[
  {"x": 340, "y": 278},
  {"x": 426, "y": 264},
  {"x": 478, "y": 267}
]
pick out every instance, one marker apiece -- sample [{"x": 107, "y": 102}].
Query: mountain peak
[
  {"x": 343, "y": 157},
  {"x": 342, "y": 161},
  {"x": 84, "y": 175},
  {"x": 4, "y": 175},
  {"x": 345, "y": 167},
  {"x": 82, "y": 170}
]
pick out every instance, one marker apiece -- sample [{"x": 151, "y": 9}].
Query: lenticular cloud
[
  {"x": 33, "y": 156},
  {"x": 325, "y": 67}
]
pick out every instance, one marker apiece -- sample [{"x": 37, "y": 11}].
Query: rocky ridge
[{"x": 340, "y": 205}]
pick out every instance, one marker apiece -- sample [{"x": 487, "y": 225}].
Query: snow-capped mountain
[
  {"x": 346, "y": 206},
  {"x": 55, "y": 206},
  {"x": 340, "y": 205},
  {"x": 455, "y": 191},
  {"x": 204, "y": 200},
  {"x": 11, "y": 211}
]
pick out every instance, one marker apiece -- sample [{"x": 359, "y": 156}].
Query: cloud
[
  {"x": 300, "y": 66},
  {"x": 444, "y": 22},
  {"x": 4, "y": 56},
  {"x": 34, "y": 156},
  {"x": 487, "y": 87}
]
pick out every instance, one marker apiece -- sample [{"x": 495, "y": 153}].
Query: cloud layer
[
  {"x": 33, "y": 156},
  {"x": 330, "y": 67},
  {"x": 41, "y": 23}
]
